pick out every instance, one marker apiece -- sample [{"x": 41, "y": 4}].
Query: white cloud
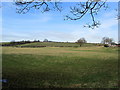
[
  {"x": 69, "y": 32},
  {"x": 108, "y": 23},
  {"x": 0, "y": 24},
  {"x": 42, "y": 19},
  {"x": 76, "y": 32},
  {"x": 108, "y": 28}
]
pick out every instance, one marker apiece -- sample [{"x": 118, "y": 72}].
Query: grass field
[
  {"x": 51, "y": 44},
  {"x": 66, "y": 67}
]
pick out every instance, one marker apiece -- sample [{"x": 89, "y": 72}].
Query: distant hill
[{"x": 46, "y": 44}]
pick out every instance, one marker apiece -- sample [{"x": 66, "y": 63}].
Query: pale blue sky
[{"x": 51, "y": 25}]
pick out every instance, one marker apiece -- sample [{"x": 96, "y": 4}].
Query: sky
[{"x": 51, "y": 25}]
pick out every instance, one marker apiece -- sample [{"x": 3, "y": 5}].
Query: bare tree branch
[
  {"x": 26, "y": 6},
  {"x": 82, "y": 9},
  {"x": 91, "y": 7}
]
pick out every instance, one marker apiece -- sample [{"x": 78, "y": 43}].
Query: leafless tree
[
  {"x": 45, "y": 5},
  {"x": 81, "y": 41},
  {"x": 45, "y": 40},
  {"x": 83, "y": 8},
  {"x": 91, "y": 7},
  {"x": 107, "y": 40}
]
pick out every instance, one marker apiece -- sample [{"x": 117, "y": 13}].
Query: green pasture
[
  {"x": 60, "y": 67},
  {"x": 53, "y": 44}
]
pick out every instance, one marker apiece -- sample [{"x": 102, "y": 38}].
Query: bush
[
  {"x": 106, "y": 45},
  {"x": 99, "y": 44}
]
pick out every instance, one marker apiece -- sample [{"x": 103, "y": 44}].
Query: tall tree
[
  {"x": 45, "y": 40},
  {"x": 107, "y": 40},
  {"x": 81, "y": 41}
]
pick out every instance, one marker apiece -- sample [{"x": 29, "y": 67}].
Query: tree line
[{"x": 106, "y": 41}]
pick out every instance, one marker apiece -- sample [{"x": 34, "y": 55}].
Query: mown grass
[{"x": 60, "y": 67}]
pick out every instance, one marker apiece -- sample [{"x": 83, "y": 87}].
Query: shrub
[{"x": 106, "y": 45}]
